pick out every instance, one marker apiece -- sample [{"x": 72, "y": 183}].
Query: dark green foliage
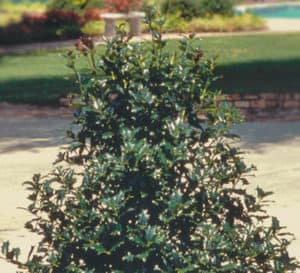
[
  {"x": 224, "y": 7},
  {"x": 150, "y": 184},
  {"x": 197, "y": 8},
  {"x": 76, "y": 5}
]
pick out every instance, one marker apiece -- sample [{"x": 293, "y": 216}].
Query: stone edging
[
  {"x": 267, "y": 105},
  {"x": 255, "y": 107},
  {"x": 259, "y": 107}
]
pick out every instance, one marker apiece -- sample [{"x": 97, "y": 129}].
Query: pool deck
[
  {"x": 244, "y": 7},
  {"x": 278, "y": 24},
  {"x": 283, "y": 25}
]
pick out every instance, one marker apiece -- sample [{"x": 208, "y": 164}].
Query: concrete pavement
[{"x": 28, "y": 146}]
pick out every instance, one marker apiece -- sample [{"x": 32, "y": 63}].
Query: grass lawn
[
  {"x": 248, "y": 64},
  {"x": 257, "y": 63},
  {"x": 39, "y": 77}
]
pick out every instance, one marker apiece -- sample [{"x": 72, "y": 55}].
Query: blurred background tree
[
  {"x": 76, "y": 5},
  {"x": 194, "y": 8}
]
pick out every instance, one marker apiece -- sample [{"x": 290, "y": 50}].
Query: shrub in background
[
  {"x": 150, "y": 182},
  {"x": 58, "y": 18},
  {"x": 51, "y": 25},
  {"x": 189, "y": 9},
  {"x": 218, "y": 23},
  {"x": 113, "y": 5},
  {"x": 215, "y": 23},
  {"x": 94, "y": 14},
  {"x": 12, "y": 12},
  {"x": 174, "y": 23},
  {"x": 75, "y": 5},
  {"x": 223, "y": 7},
  {"x": 93, "y": 28}
]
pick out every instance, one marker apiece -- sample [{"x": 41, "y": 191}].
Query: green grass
[
  {"x": 257, "y": 63},
  {"x": 39, "y": 77},
  {"x": 248, "y": 64}
]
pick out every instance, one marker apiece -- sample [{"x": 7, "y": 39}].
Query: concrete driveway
[
  {"x": 274, "y": 148},
  {"x": 29, "y": 146}
]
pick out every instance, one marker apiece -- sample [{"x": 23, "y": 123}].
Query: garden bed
[
  {"x": 19, "y": 24},
  {"x": 41, "y": 27}
]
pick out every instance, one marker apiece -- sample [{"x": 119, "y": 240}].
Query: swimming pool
[{"x": 287, "y": 11}]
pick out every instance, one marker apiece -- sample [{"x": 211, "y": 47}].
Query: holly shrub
[{"x": 150, "y": 181}]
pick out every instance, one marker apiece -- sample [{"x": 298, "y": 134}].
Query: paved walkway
[{"x": 28, "y": 146}]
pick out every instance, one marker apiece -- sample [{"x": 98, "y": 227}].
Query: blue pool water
[{"x": 291, "y": 11}]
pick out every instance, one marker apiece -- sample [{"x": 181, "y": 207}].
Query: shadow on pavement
[
  {"x": 29, "y": 135},
  {"x": 256, "y": 134}
]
